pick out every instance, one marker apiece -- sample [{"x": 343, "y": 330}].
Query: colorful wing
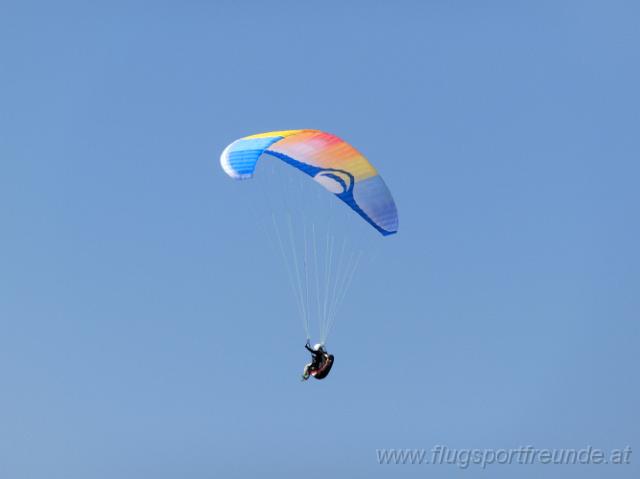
[{"x": 332, "y": 162}]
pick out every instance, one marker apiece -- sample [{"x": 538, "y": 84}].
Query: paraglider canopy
[{"x": 330, "y": 161}]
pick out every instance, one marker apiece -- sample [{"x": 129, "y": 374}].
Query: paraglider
[
  {"x": 321, "y": 362},
  {"x": 320, "y": 256}
]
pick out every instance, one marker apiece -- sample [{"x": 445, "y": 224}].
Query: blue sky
[{"x": 145, "y": 329}]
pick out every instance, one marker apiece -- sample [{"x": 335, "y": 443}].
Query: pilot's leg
[{"x": 305, "y": 373}]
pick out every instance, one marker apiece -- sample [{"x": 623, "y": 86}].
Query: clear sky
[{"x": 145, "y": 330}]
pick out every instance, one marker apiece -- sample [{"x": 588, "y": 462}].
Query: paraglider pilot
[{"x": 320, "y": 364}]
